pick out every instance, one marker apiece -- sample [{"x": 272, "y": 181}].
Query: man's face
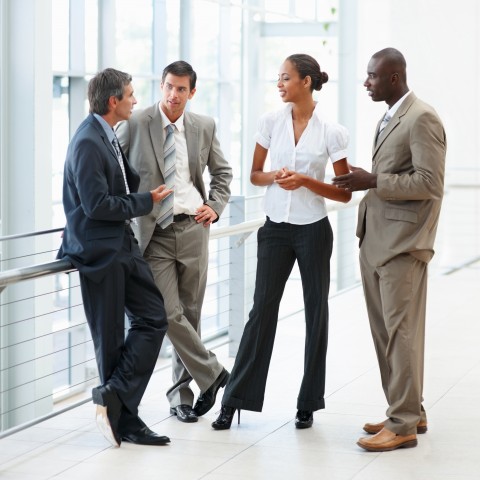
[
  {"x": 124, "y": 107},
  {"x": 175, "y": 95},
  {"x": 379, "y": 80}
]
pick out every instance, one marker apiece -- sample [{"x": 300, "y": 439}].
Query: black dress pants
[
  {"x": 279, "y": 246},
  {"x": 126, "y": 362}
]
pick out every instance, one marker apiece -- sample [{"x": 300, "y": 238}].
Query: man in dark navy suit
[{"x": 100, "y": 201}]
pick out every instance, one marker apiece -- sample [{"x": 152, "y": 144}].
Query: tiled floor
[{"x": 266, "y": 445}]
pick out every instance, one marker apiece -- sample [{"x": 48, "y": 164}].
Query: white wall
[{"x": 441, "y": 44}]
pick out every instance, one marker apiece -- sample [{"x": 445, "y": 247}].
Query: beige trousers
[{"x": 395, "y": 295}]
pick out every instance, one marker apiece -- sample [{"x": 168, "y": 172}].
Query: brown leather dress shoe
[
  {"x": 374, "y": 428},
  {"x": 385, "y": 441}
]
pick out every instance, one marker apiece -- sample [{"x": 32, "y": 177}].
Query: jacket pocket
[
  {"x": 402, "y": 215},
  {"x": 100, "y": 232}
]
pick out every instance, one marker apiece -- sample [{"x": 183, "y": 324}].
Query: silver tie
[
  {"x": 386, "y": 118},
  {"x": 165, "y": 217}
]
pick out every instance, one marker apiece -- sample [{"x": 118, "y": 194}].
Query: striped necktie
[
  {"x": 165, "y": 217},
  {"x": 116, "y": 147}
]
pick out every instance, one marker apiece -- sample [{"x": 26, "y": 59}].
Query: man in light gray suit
[
  {"x": 178, "y": 252},
  {"x": 397, "y": 223}
]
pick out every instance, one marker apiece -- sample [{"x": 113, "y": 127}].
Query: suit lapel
[
  {"x": 111, "y": 149},
  {"x": 394, "y": 121},
  {"x": 104, "y": 137},
  {"x": 157, "y": 135},
  {"x": 193, "y": 142}
]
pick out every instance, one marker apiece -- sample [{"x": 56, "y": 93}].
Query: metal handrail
[
  {"x": 19, "y": 274},
  {"x": 64, "y": 266},
  {"x": 34, "y": 271}
]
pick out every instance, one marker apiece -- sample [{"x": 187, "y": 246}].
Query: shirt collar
[
  {"x": 166, "y": 121},
  {"x": 316, "y": 111},
  {"x": 108, "y": 129},
  {"x": 391, "y": 111}
]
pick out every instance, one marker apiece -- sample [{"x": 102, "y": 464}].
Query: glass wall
[{"x": 224, "y": 41}]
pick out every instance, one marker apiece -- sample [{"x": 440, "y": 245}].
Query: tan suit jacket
[
  {"x": 142, "y": 138},
  {"x": 401, "y": 214}
]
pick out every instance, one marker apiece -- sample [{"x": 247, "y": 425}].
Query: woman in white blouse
[{"x": 297, "y": 228}]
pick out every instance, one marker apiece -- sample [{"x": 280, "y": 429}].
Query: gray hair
[{"x": 105, "y": 84}]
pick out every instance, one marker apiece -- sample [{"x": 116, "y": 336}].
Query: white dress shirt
[
  {"x": 391, "y": 111},
  {"x": 320, "y": 141},
  {"x": 187, "y": 198}
]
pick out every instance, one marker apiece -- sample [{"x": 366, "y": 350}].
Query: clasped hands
[{"x": 288, "y": 179}]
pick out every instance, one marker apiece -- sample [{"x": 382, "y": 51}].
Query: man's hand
[
  {"x": 160, "y": 193},
  {"x": 205, "y": 215},
  {"x": 357, "y": 179}
]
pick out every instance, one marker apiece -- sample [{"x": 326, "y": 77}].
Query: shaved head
[
  {"x": 387, "y": 76},
  {"x": 393, "y": 60}
]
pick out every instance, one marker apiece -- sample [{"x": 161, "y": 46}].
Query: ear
[
  {"x": 192, "y": 93},
  {"x": 112, "y": 103},
  {"x": 307, "y": 81}
]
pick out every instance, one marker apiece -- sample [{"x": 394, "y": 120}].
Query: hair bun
[{"x": 324, "y": 77}]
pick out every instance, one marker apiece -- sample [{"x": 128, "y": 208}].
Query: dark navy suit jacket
[{"x": 95, "y": 201}]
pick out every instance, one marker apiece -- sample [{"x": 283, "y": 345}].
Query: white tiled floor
[{"x": 266, "y": 445}]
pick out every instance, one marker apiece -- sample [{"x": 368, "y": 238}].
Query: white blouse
[{"x": 320, "y": 141}]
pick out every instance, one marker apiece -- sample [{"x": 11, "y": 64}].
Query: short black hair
[{"x": 181, "y": 69}]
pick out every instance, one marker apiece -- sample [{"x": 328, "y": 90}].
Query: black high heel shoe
[
  {"x": 225, "y": 418},
  {"x": 304, "y": 419}
]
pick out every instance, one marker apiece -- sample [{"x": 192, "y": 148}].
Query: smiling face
[
  {"x": 175, "y": 95},
  {"x": 290, "y": 86}
]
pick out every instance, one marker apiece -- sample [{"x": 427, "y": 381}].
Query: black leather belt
[{"x": 180, "y": 217}]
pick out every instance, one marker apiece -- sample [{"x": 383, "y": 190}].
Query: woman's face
[{"x": 290, "y": 86}]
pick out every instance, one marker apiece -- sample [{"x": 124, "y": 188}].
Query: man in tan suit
[
  {"x": 168, "y": 145},
  {"x": 397, "y": 223}
]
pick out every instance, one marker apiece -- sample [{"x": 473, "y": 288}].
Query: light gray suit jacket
[
  {"x": 142, "y": 138},
  {"x": 401, "y": 214}
]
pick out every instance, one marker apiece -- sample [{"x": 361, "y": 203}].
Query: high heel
[{"x": 225, "y": 418}]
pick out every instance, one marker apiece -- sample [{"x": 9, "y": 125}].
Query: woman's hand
[{"x": 289, "y": 179}]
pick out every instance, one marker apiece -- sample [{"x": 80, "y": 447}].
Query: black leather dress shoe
[
  {"x": 109, "y": 408},
  {"x": 145, "y": 436},
  {"x": 206, "y": 400},
  {"x": 304, "y": 419},
  {"x": 184, "y": 413}
]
